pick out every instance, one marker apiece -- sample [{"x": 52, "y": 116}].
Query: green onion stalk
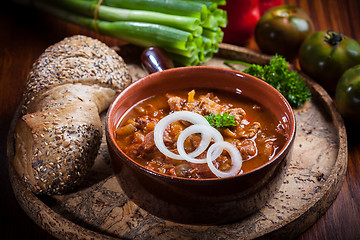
[{"x": 189, "y": 30}]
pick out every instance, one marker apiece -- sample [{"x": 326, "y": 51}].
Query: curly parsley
[
  {"x": 218, "y": 120},
  {"x": 287, "y": 82}
]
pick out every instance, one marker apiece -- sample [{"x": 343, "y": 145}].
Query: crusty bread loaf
[
  {"x": 73, "y": 93},
  {"x": 56, "y": 148},
  {"x": 59, "y": 134},
  {"x": 77, "y": 59}
]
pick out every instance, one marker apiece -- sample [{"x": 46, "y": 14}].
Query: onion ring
[
  {"x": 236, "y": 159},
  {"x": 207, "y": 133},
  {"x": 160, "y": 127},
  {"x": 200, "y": 125}
]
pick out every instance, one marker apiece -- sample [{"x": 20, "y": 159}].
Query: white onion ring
[
  {"x": 236, "y": 159},
  {"x": 200, "y": 125},
  {"x": 160, "y": 127},
  {"x": 207, "y": 133}
]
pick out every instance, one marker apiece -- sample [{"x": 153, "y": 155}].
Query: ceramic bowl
[{"x": 200, "y": 201}]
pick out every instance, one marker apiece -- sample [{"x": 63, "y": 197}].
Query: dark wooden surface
[{"x": 25, "y": 33}]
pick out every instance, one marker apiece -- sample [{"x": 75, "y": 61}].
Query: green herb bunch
[
  {"x": 218, "y": 120},
  {"x": 287, "y": 82}
]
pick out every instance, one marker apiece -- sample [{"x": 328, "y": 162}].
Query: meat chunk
[
  {"x": 149, "y": 142},
  {"x": 147, "y": 145},
  {"x": 180, "y": 104},
  {"x": 248, "y": 132},
  {"x": 269, "y": 149},
  {"x": 176, "y": 103},
  {"x": 145, "y": 123},
  {"x": 209, "y": 106},
  {"x": 237, "y": 113},
  {"x": 246, "y": 147}
]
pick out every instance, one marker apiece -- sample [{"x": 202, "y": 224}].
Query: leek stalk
[
  {"x": 112, "y": 14},
  {"x": 189, "y": 30}
]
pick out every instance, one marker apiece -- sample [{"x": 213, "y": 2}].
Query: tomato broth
[{"x": 257, "y": 135}]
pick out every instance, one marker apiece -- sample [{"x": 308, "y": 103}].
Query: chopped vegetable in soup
[{"x": 226, "y": 134}]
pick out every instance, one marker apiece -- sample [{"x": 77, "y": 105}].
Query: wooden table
[{"x": 25, "y": 35}]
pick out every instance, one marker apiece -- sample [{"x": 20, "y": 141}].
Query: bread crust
[
  {"x": 76, "y": 59},
  {"x": 60, "y": 147},
  {"x": 71, "y": 93},
  {"x": 59, "y": 133}
]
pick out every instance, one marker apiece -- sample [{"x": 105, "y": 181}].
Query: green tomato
[
  {"x": 347, "y": 94},
  {"x": 282, "y": 29},
  {"x": 326, "y": 55}
]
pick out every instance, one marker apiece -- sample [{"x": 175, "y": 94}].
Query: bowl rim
[{"x": 285, "y": 148}]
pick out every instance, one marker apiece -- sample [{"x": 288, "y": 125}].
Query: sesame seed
[{"x": 104, "y": 66}]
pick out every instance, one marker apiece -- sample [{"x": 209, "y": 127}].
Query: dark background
[{"x": 26, "y": 33}]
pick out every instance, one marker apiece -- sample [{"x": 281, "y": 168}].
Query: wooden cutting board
[{"x": 99, "y": 209}]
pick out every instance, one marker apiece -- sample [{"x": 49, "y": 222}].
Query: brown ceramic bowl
[{"x": 200, "y": 201}]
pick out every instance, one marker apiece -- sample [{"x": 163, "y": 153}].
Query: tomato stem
[{"x": 334, "y": 40}]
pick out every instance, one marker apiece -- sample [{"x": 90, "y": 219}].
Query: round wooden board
[{"x": 100, "y": 210}]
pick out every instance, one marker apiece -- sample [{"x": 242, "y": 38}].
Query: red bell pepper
[
  {"x": 242, "y": 18},
  {"x": 264, "y": 5}
]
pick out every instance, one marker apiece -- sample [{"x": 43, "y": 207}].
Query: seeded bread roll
[
  {"x": 77, "y": 59},
  {"x": 73, "y": 93},
  {"x": 59, "y": 134},
  {"x": 57, "y": 147}
]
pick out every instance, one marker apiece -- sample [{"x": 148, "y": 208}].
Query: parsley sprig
[
  {"x": 218, "y": 120},
  {"x": 287, "y": 82}
]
